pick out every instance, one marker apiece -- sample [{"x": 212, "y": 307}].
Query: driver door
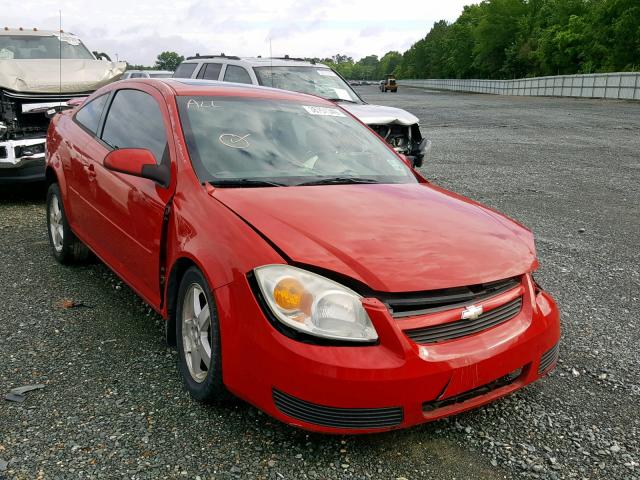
[{"x": 129, "y": 211}]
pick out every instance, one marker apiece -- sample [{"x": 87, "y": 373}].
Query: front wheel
[
  {"x": 198, "y": 338},
  {"x": 65, "y": 246}
]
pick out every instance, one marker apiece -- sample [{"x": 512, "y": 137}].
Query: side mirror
[{"x": 138, "y": 162}]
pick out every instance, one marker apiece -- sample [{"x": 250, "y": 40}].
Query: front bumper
[
  {"x": 394, "y": 384},
  {"x": 22, "y": 161}
]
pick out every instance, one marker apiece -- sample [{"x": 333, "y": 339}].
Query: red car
[{"x": 300, "y": 264}]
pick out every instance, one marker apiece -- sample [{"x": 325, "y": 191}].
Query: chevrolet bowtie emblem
[{"x": 471, "y": 312}]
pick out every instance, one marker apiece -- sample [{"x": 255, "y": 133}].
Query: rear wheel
[
  {"x": 65, "y": 246},
  {"x": 198, "y": 338}
]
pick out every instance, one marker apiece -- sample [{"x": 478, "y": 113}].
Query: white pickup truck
[{"x": 40, "y": 70}]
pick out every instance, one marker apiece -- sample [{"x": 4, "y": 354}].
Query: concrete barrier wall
[{"x": 598, "y": 85}]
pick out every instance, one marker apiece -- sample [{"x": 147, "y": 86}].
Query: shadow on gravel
[{"x": 28, "y": 193}]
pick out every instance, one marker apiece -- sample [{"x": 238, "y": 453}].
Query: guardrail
[{"x": 624, "y": 86}]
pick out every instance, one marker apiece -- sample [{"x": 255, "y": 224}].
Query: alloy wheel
[
  {"x": 196, "y": 332},
  {"x": 55, "y": 223}
]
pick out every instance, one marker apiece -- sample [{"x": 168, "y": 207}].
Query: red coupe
[{"x": 299, "y": 262}]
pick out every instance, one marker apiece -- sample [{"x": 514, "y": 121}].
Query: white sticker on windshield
[
  {"x": 324, "y": 111},
  {"x": 395, "y": 164},
  {"x": 325, "y": 72},
  {"x": 342, "y": 94}
]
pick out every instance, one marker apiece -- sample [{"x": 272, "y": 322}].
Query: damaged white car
[
  {"x": 398, "y": 127},
  {"x": 40, "y": 70}
]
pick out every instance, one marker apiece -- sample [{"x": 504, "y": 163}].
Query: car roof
[
  {"x": 190, "y": 86},
  {"x": 256, "y": 61},
  {"x": 35, "y": 32}
]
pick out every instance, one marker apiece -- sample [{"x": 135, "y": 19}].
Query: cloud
[
  {"x": 372, "y": 31},
  {"x": 138, "y": 31}
]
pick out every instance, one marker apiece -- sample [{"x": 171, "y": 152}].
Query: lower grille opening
[
  {"x": 337, "y": 417},
  {"x": 549, "y": 358},
  {"x": 476, "y": 392}
]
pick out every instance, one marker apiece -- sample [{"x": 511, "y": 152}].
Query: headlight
[{"x": 314, "y": 305}]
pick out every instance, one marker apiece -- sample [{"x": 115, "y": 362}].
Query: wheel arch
[
  {"x": 50, "y": 176},
  {"x": 178, "y": 269}
]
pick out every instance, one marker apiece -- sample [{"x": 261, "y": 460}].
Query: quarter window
[
  {"x": 236, "y": 74},
  {"x": 89, "y": 115},
  {"x": 135, "y": 121}
]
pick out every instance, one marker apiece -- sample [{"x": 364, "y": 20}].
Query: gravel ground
[{"x": 112, "y": 405}]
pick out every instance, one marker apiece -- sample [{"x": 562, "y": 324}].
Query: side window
[
  {"x": 212, "y": 71},
  {"x": 185, "y": 70},
  {"x": 236, "y": 74},
  {"x": 137, "y": 75},
  {"x": 135, "y": 121},
  {"x": 89, "y": 115}
]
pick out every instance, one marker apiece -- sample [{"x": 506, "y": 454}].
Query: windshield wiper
[
  {"x": 338, "y": 181},
  {"x": 340, "y": 100},
  {"x": 244, "y": 182}
]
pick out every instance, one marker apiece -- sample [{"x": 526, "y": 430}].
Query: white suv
[{"x": 398, "y": 127}]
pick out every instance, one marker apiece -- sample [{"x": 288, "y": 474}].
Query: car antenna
[{"x": 271, "y": 60}]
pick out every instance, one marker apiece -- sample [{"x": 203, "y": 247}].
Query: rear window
[{"x": 185, "y": 70}]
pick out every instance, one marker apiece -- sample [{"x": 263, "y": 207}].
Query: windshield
[
  {"x": 26, "y": 47},
  {"x": 160, "y": 75},
  {"x": 320, "y": 81},
  {"x": 236, "y": 141}
]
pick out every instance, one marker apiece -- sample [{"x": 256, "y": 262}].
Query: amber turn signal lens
[{"x": 289, "y": 293}]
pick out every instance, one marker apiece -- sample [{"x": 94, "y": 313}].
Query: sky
[{"x": 138, "y": 30}]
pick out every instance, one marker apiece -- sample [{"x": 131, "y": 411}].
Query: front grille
[
  {"x": 462, "y": 328},
  {"x": 549, "y": 358},
  {"x": 476, "y": 392},
  {"x": 406, "y": 305},
  {"x": 337, "y": 417}
]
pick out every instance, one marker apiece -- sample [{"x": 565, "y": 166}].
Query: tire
[
  {"x": 202, "y": 376},
  {"x": 65, "y": 246}
]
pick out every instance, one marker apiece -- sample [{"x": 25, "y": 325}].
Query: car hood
[
  {"x": 393, "y": 238},
  {"x": 379, "y": 115},
  {"x": 55, "y": 76}
]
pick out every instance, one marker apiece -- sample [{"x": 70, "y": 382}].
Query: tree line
[{"x": 502, "y": 39}]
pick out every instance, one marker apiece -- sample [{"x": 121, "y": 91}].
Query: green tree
[
  {"x": 519, "y": 38},
  {"x": 389, "y": 63},
  {"x": 168, "y": 61}
]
